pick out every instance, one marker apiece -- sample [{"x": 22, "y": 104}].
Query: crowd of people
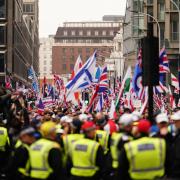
[{"x": 62, "y": 143}]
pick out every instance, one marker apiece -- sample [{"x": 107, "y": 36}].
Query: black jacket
[{"x": 175, "y": 157}]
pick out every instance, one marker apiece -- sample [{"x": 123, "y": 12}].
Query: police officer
[
  {"x": 143, "y": 158},
  {"x": 119, "y": 139},
  {"x": 4, "y": 148},
  {"x": 162, "y": 122},
  {"x": 102, "y": 136},
  {"x": 74, "y": 136},
  {"x": 69, "y": 139},
  {"x": 45, "y": 155},
  {"x": 19, "y": 162},
  {"x": 87, "y": 156},
  {"x": 175, "y": 171}
]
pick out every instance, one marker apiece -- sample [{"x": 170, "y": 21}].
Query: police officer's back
[
  {"x": 87, "y": 156},
  {"x": 19, "y": 161},
  {"x": 45, "y": 155},
  {"x": 143, "y": 158}
]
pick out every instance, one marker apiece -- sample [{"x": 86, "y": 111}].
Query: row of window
[
  {"x": 87, "y": 50},
  {"x": 91, "y": 24},
  {"x": 89, "y": 33},
  {"x": 89, "y": 41}
]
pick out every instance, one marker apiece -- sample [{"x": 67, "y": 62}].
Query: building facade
[
  {"x": 19, "y": 42},
  {"x": 136, "y": 26},
  {"x": 82, "y": 38},
  {"x": 45, "y": 57},
  {"x": 115, "y": 63}
]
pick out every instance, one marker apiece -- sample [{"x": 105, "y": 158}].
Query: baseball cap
[
  {"x": 126, "y": 119},
  {"x": 66, "y": 119},
  {"x": 27, "y": 130},
  {"x": 88, "y": 126},
  {"x": 83, "y": 117},
  {"x": 176, "y": 116},
  {"x": 144, "y": 126},
  {"x": 162, "y": 118},
  {"x": 136, "y": 115}
]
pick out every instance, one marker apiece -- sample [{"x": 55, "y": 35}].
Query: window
[
  {"x": 149, "y": 2},
  {"x": 45, "y": 56},
  {"x": 72, "y": 50},
  {"x": 64, "y": 67},
  {"x": 65, "y": 33},
  {"x": 73, "y": 33},
  {"x": 138, "y": 23},
  {"x": 71, "y": 67},
  {"x": 64, "y": 50},
  {"x": 80, "y": 33},
  {"x": 79, "y": 50},
  {"x": 45, "y": 68},
  {"x": 45, "y": 62},
  {"x": 162, "y": 27},
  {"x": 64, "y": 58},
  {"x": 72, "y": 58},
  {"x": 111, "y": 33},
  {"x": 2, "y": 62},
  {"x": 177, "y": 3},
  {"x": 3, "y": 9},
  {"x": 138, "y": 5},
  {"x": 87, "y": 57},
  {"x": 104, "y": 33},
  {"x": 28, "y": 8},
  {"x": 174, "y": 27},
  {"x": 2, "y": 35},
  {"x": 88, "y": 33},
  {"x": 150, "y": 11},
  {"x": 161, "y": 10},
  {"x": 87, "y": 50},
  {"x": 96, "y": 33}
]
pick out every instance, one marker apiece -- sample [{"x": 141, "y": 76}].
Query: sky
[{"x": 54, "y": 12}]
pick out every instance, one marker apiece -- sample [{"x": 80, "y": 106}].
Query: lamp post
[
  {"x": 172, "y": 1},
  {"x": 159, "y": 29}
]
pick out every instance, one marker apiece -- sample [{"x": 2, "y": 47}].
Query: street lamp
[
  {"x": 172, "y": 1},
  {"x": 155, "y": 21}
]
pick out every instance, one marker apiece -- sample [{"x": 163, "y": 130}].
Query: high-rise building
[
  {"x": 137, "y": 24},
  {"x": 82, "y": 38},
  {"x": 19, "y": 41},
  {"x": 45, "y": 57}
]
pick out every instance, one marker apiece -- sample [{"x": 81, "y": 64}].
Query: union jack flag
[
  {"x": 103, "y": 81},
  {"x": 163, "y": 62}
]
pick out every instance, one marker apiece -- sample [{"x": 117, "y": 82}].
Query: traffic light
[{"x": 150, "y": 61}]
